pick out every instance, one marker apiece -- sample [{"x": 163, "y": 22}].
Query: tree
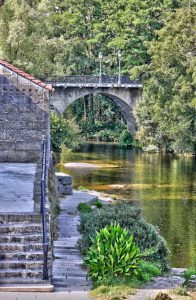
[{"x": 167, "y": 114}]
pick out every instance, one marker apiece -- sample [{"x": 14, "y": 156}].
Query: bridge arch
[{"x": 125, "y": 99}]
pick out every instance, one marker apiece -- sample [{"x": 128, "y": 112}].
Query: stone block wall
[
  {"x": 24, "y": 118},
  {"x": 24, "y": 121}
]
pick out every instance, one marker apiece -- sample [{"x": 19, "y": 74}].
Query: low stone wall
[{"x": 64, "y": 182}]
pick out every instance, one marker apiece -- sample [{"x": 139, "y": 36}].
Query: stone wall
[
  {"x": 24, "y": 118},
  {"x": 24, "y": 121}
]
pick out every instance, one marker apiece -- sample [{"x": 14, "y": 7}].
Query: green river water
[{"x": 162, "y": 185}]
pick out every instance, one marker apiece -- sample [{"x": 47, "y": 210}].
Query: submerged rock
[{"x": 81, "y": 165}]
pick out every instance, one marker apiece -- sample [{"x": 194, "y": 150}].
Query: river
[{"x": 162, "y": 185}]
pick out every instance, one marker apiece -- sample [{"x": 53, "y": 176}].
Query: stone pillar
[{"x": 64, "y": 182}]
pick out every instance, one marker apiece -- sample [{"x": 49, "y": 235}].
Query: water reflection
[{"x": 163, "y": 185}]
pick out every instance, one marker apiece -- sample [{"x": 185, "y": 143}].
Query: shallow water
[{"x": 162, "y": 185}]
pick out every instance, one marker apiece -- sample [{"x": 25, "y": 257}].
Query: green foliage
[
  {"x": 85, "y": 208},
  {"x": 98, "y": 118},
  {"x": 120, "y": 287},
  {"x": 66, "y": 154},
  {"x": 126, "y": 139},
  {"x": 98, "y": 204},
  {"x": 113, "y": 253},
  {"x": 188, "y": 274},
  {"x": 145, "y": 235},
  {"x": 64, "y": 132},
  {"x": 166, "y": 115},
  {"x": 72, "y": 34},
  {"x": 148, "y": 270}
]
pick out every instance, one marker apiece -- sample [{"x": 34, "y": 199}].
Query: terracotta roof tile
[{"x": 25, "y": 75}]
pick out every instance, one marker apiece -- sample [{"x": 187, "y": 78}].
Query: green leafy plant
[
  {"x": 126, "y": 139},
  {"x": 148, "y": 270},
  {"x": 83, "y": 207},
  {"x": 145, "y": 235},
  {"x": 188, "y": 274},
  {"x": 64, "y": 132},
  {"x": 113, "y": 252},
  {"x": 98, "y": 204}
]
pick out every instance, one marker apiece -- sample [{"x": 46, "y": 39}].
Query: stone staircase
[{"x": 21, "y": 253}]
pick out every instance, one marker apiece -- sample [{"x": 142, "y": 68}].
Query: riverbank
[
  {"x": 162, "y": 186},
  {"x": 66, "y": 277}
]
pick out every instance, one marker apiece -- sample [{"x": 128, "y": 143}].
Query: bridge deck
[{"x": 94, "y": 81}]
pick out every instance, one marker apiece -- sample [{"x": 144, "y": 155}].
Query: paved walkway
[
  {"x": 68, "y": 273},
  {"x": 16, "y": 187},
  {"x": 46, "y": 296}
]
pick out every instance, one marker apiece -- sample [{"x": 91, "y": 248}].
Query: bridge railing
[{"x": 87, "y": 79}]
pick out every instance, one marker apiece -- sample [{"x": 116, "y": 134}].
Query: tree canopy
[
  {"x": 167, "y": 113},
  {"x": 156, "y": 38}
]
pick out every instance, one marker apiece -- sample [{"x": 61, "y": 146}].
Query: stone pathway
[
  {"x": 45, "y": 296},
  {"x": 160, "y": 284},
  {"x": 16, "y": 187},
  {"x": 68, "y": 273}
]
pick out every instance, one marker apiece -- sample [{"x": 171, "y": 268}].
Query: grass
[
  {"x": 113, "y": 289},
  {"x": 119, "y": 288},
  {"x": 180, "y": 291}
]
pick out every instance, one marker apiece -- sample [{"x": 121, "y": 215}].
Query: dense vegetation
[
  {"x": 156, "y": 39},
  {"x": 114, "y": 252},
  {"x": 145, "y": 235}
]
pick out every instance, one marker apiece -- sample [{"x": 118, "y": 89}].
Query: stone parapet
[{"x": 64, "y": 182}]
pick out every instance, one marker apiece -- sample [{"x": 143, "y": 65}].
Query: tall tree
[{"x": 167, "y": 113}]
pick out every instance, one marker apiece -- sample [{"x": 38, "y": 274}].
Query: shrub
[
  {"x": 66, "y": 154},
  {"x": 85, "y": 208},
  {"x": 148, "y": 270},
  {"x": 113, "y": 253},
  {"x": 98, "y": 204},
  {"x": 64, "y": 132},
  {"x": 189, "y": 274},
  {"x": 126, "y": 139},
  {"x": 145, "y": 235}
]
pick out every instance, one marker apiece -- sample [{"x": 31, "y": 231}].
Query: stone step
[
  {"x": 66, "y": 274},
  {"x": 5, "y": 248},
  {"x": 21, "y": 273},
  {"x": 74, "y": 281},
  {"x": 19, "y": 280},
  {"x": 26, "y": 287},
  {"x": 20, "y": 218},
  {"x": 21, "y": 264},
  {"x": 21, "y": 238},
  {"x": 36, "y": 255},
  {"x": 20, "y": 228}
]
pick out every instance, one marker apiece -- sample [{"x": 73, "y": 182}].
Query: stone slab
[
  {"x": 17, "y": 187},
  {"x": 43, "y": 288},
  {"x": 57, "y": 295}
]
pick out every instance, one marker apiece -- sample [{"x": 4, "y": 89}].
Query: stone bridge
[{"x": 125, "y": 93}]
